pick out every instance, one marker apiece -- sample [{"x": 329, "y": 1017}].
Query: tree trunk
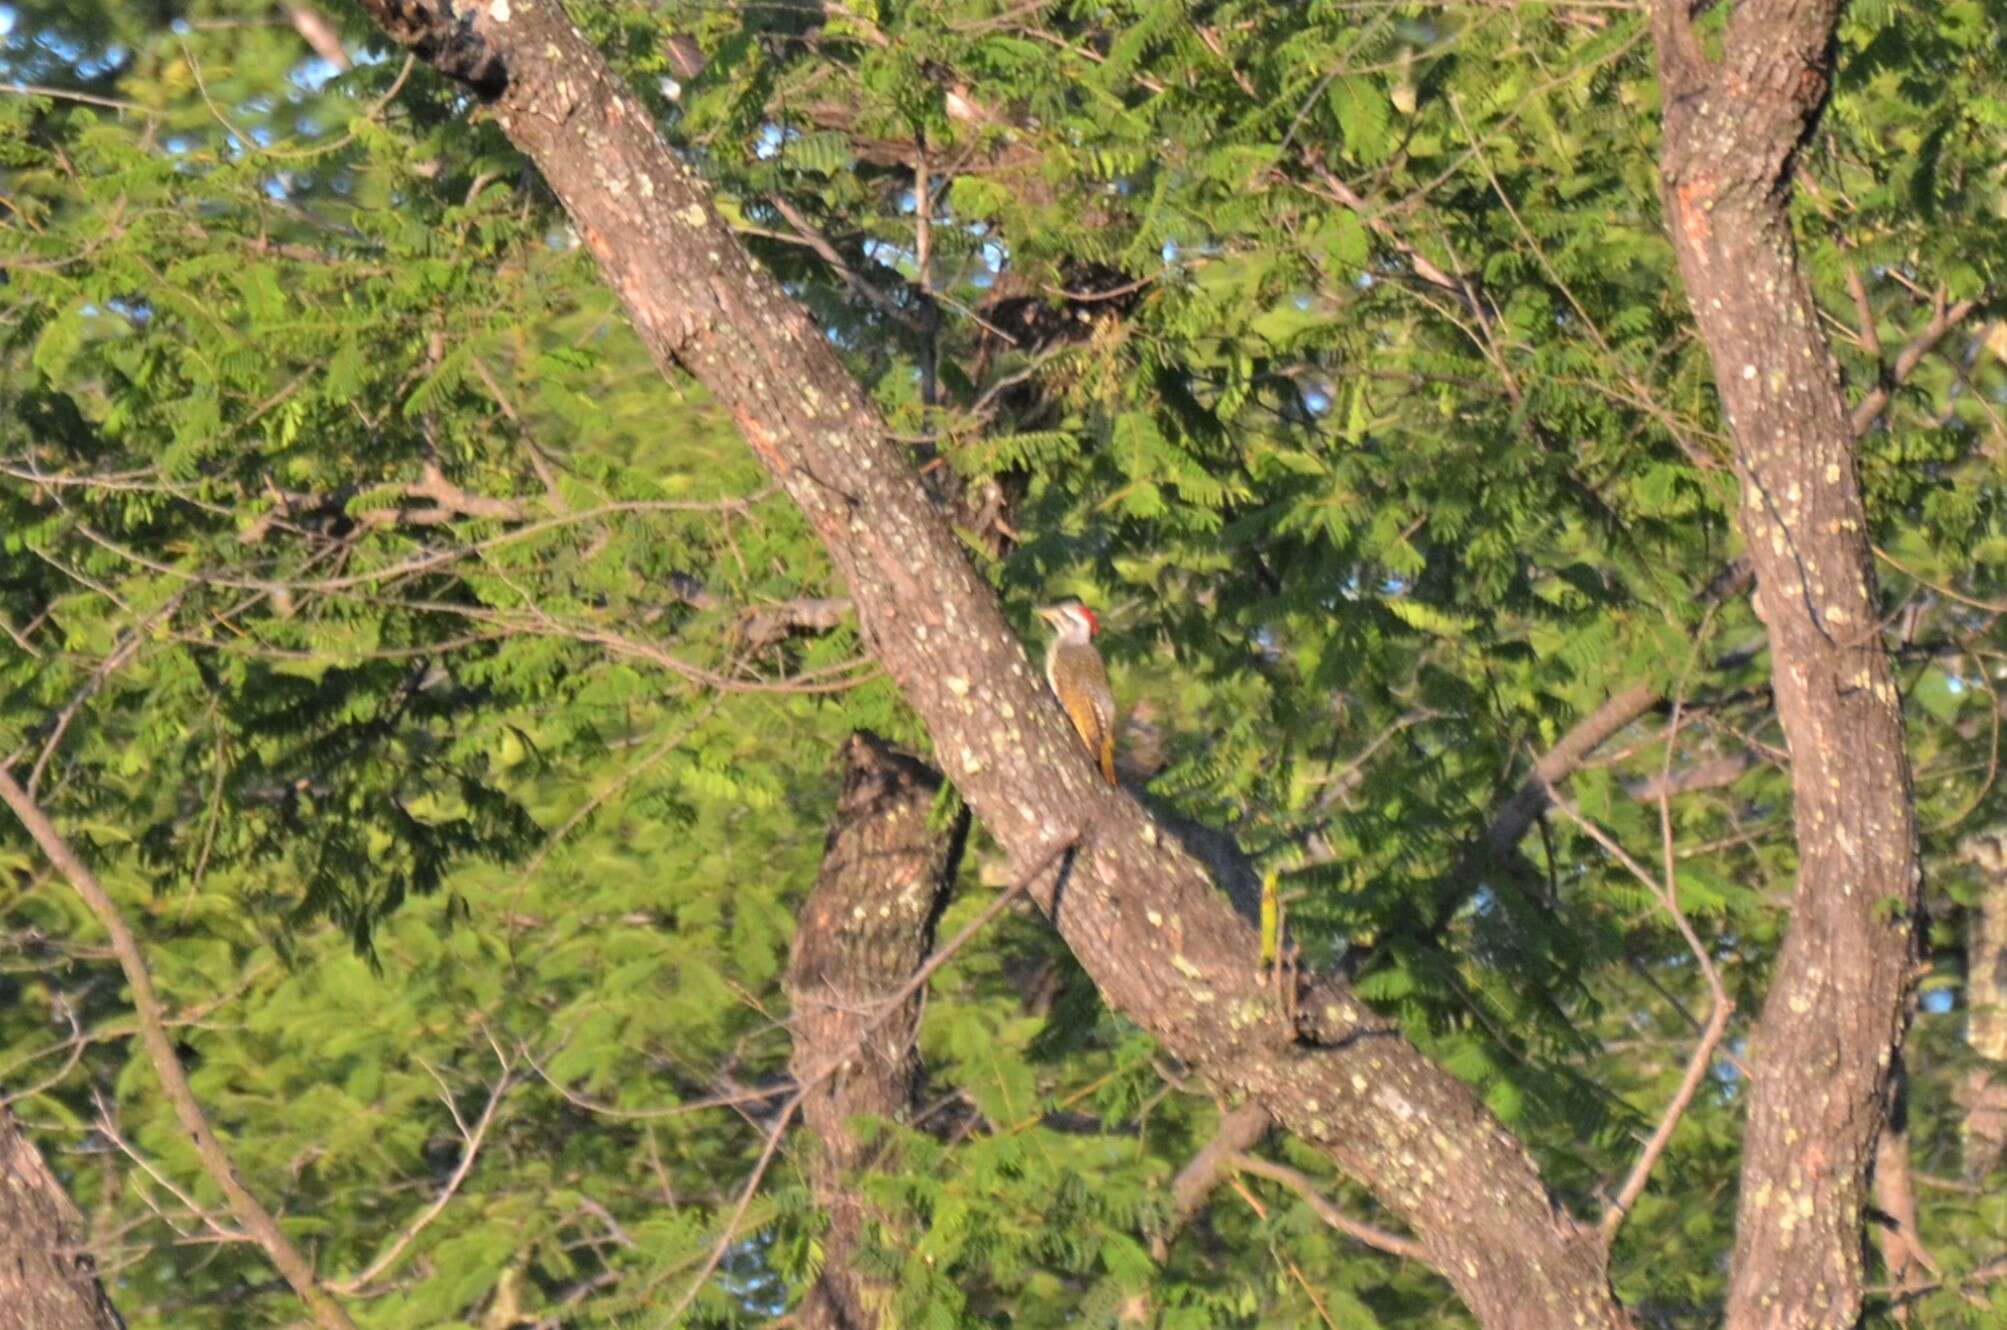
[
  {"x": 1142, "y": 917},
  {"x": 863, "y": 934},
  {"x": 48, "y": 1280},
  {"x": 1833, "y": 1020},
  {"x": 1983, "y": 1096}
]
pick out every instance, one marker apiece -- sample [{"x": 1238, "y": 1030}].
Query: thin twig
[
  {"x": 1703, "y": 1053},
  {"x": 1943, "y": 320},
  {"x": 106, "y": 1128},
  {"x": 471, "y": 1138},
  {"x": 1358, "y": 1230},
  {"x": 107, "y": 667},
  {"x": 82, "y": 98}
]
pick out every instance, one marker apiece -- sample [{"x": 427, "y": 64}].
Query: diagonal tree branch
[
  {"x": 1143, "y": 919},
  {"x": 1240, "y": 1130},
  {"x": 1942, "y": 320},
  {"x": 250, "y": 1212},
  {"x": 472, "y": 1137},
  {"x": 1325, "y": 1209}
]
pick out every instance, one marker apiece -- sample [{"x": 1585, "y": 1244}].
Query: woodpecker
[{"x": 1080, "y": 681}]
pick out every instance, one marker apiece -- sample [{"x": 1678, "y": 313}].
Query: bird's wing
[
  {"x": 1085, "y": 712},
  {"x": 1098, "y": 725}
]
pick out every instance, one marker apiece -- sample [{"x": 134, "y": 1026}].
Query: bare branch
[
  {"x": 887, "y": 872},
  {"x": 1240, "y": 1129},
  {"x": 114, "y": 660},
  {"x": 1942, "y": 320},
  {"x": 471, "y": 1139},
  {"x": 1833, "y": 1020},
  {"x": 1703, "y": 1053},
  {"x": 49, "y": 1277},
  {"x": 250, "y": 1212},
  {"x": 1141, "y": 916},
  {"x": 1379, "y": 1239},
  {"x": 317, "y": 32}
]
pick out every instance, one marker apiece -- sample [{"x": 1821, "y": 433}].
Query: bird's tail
[{"x": 1108, "y": 756}]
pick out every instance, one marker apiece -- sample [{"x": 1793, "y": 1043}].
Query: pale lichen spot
[
  {"x": 691, "y": 215},
  {"x": 1156, "y": 920},
  {"x": 499, "y": 11},
  {"x": 958, "y": 686},
  {"x": 1749, "y": 371}
]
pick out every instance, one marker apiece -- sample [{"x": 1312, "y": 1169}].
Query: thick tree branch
[
  {"x": 1056, "y": 860},
  {"x": 1904, "y": 1256},
  {"x": 1833, "y": 1020},
  {"x": 1142, "y": 917},
  {"x": 1983, "y": 1094},
  {"x": 250, "y": 1212}
]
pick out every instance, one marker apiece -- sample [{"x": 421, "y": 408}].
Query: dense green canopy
[{"x": 451, "y": 702}]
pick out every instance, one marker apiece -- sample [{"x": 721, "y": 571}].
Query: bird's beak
[{"x": 1049, "y": 613}]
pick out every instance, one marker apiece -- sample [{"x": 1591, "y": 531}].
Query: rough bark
[
  {"x": 1834, "y": 1017},
  {"x": 1983, "y": 1095},
  {"x": 1142, "y": 917},
  {"x": 863, "y": 933},
  {"x": 48, "y": 1280}
]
